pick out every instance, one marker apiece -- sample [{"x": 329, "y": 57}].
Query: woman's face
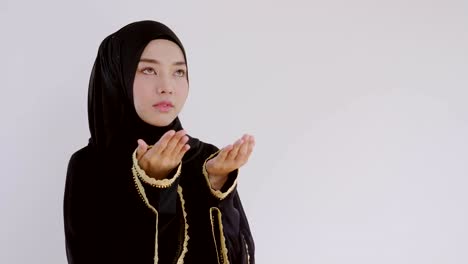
[{"x": 160, "y": 87}]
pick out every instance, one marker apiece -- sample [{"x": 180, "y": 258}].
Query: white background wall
[{"x": 358, "y": 108}]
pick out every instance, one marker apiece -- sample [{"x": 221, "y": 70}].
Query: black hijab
[{"x": 113, "y": 121}]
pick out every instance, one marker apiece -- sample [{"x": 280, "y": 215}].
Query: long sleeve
[
  {"x": 105, "y": 219},
  {"x": 247, "y": 242},
  {"x": 161, "y": 194},
  {"x": 229, "y": 186},
  {"x": 233, "y": 224},
  {"x": 83, "y": 243}
]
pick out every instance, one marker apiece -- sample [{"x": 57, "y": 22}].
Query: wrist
[
  {"x": 157, "y": 175},
  {"x": 217, "y": 181}
]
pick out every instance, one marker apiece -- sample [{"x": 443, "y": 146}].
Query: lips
[{"x": 163, "y": 104}]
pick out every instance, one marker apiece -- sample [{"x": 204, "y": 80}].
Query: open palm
[{"x": 231, "y": 157}]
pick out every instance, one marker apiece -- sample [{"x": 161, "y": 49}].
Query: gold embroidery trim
[
  {"x": 186, "y": 237},
  {"x": 164, "y": 183},
  {"x": 217, "y": 193},
  {"x": 248, "y": 254},
  {"x": 142, "y": 193},
  {"x": 214, "y": 234},
  {"x": 224, "y": 250}
]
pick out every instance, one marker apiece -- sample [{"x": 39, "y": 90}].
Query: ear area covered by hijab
[{"x": 114, "y": 124}]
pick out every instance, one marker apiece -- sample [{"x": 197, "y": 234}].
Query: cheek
[
  {"x": 143, "y": 85},
  {"x": 140, "y": 92},
  {"x": 183, "y": 89}
]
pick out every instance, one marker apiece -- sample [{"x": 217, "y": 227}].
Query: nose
[{"x": 165, "y": 86}]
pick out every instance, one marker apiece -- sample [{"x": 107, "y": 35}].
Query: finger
[
  {"x": 250, "y": 148},
  {"x": 173, "y": 142},
  {"x": 233, "y": 154},
  {"x": 251, "y": 145},
  {"x": 162, "y": 142},
  {"x": 223, "y": 153},
  {"x": 141, "y": 149},
  {"x": 174, "y": 154},
  {"x": 182, "y": 152},
  {"x": 180, "y": 145},
  {"x": 251, "y": 141},
  {"x": 242, "y": 155}
]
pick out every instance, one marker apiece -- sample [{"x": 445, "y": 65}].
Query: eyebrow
[{"x": 157, "y": 62}]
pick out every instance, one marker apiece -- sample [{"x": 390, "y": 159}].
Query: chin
[
  {"x": 161, "y": 123},
  {"x": 156, "y": 119}
]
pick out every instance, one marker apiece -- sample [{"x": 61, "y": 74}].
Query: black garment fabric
[
  {"x": 106, "y": 220},
  {"x": 108, "y": 210}
]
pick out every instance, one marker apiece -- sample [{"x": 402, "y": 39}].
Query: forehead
[{"x": 163, "y": 50}]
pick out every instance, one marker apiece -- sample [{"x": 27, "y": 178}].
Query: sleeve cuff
[
  {"x": 163, "y": 183},
  {"x": 230, "y": 184}
]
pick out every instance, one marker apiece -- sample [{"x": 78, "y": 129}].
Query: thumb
[{"x": 141, "y": 149}]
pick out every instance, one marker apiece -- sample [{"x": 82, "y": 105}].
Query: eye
[
  {"x": 148, "y": 71},
  {"x": 180, "y": 73}
]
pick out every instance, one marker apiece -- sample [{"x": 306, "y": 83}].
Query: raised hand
[
  {"x": 229, "y": 159},
  {"x": 157, "y": 161}
]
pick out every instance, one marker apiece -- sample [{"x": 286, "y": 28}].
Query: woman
[{"x": 127, "y": 201}]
